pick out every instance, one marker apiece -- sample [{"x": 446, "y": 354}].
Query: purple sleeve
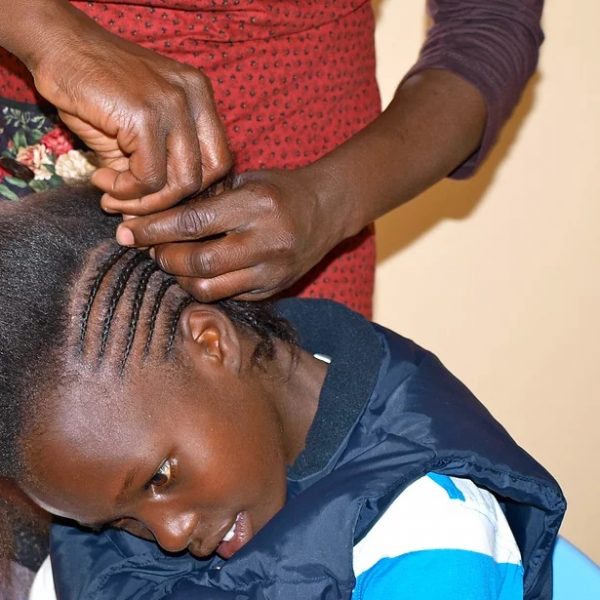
[{"x": 491, "y": 43}]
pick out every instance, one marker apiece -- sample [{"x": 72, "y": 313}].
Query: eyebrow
[
  {"x": 126, "y": 487},
  {"x": 119, "y": 500}
]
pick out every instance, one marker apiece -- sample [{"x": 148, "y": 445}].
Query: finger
[
  {"x": 209, "y": 259},
  {"x": 192, "y": 221},
  {"x": 110, "y": 211},
  {"x": 147, "y": 165},
  {"x": 240, "y": 285},
  {"x": 217, "y": 160},
  {"x": 184, "y": 174}
]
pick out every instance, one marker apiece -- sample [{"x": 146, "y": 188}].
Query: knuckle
[
  {"x": 224, "y": 162},
  {"x": 153, "y": 181},
  {"x": 192, "y": 75},
  {"x": 284, "y": 243},
  {"x": 190, "y": 181},
  {"x": 204, "y": 85},
  {"x": 200, "y": 81},
  {"x": 203, "y": 263},
  {"x": 163, "y": 262},
  {"x": 217, "y": 162},
  {"x": 266, "y": 196},
  {"x": 201, "y": 289},
  {"x": 190, "y": 223},
  {"x": 143, "y": 114},
  {"x": 196, "y": 85},
  {"x": 175, "y": 96}
]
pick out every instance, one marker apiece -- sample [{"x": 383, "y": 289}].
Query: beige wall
[{"x": 500, "y": 275}]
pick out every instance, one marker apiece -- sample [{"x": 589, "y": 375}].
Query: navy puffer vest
[{"x": 389, "y": 413}]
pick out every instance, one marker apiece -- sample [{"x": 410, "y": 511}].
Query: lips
[
  {"x": 238, "y": 535},
  {"x": 228, "y": 543}
]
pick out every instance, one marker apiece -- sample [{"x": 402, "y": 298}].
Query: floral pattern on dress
[{"x": 37, "y": 153}]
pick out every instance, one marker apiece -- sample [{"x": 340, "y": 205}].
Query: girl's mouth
[{"x": 239, "y": 534}]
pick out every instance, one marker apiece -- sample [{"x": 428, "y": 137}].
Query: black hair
[{"x": 59, "y": 264}]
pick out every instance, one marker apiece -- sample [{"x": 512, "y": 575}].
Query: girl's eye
[{"x": 162, "y": 477}]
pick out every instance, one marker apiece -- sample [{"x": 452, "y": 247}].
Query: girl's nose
[{"x": 173, "y": 532}]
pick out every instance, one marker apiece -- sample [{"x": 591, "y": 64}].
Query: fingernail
[
  {"x": 125, "y": 236},
  {"x": 152, "y": 253}
]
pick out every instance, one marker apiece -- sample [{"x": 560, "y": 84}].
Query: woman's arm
[
  {"x": 443, "y": 119},
  {"x": 281, "y": 223},
  {"x": 493, "y": 45},
  {"x": 152, "y": 121}
]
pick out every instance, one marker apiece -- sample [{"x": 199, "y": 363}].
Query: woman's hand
[
  {"x": 248, "y": 243},
  {"x": 152, "y": 121},
  {"x": 258, "y": 239}
]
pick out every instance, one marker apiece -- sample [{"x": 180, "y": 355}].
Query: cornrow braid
[
  {"x": 175, "y": 321},
  {"x": 138, "y": 300},
  {"x": 106, "y": 267},
  {"x": 164, "y": 287},
  {"x": 260, "y": 318},
  {"x": 118, "y": 291}
]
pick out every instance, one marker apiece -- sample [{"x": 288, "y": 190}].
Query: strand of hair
[
  {"x": 176, "y": 316},
  {"x": 138, "y": 300},
  {"x": 118, "y": 289},
  {"x": 106, "y": 267},
  {"x": 162, "y": 290}
]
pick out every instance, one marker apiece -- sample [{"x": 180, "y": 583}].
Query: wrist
[
  {"x": 432, "y": 125},
  {"x": 333, "y": 213},
  {"x": 358, "y": 181},
  {"x": 51, "y": 25}
]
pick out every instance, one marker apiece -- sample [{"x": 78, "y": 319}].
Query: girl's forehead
[
  {"x": 94, "y": 431},
  {"x": 78, "y": 474},
  {"x": 97, "y": 411}
]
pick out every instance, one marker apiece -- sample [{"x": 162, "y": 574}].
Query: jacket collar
[{"x": 356, "y": 352}]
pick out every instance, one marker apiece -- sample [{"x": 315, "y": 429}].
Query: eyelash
[{"x": 166, "y": 469}]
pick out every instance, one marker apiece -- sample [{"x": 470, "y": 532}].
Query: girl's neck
[{"x": 296, "y": 379}]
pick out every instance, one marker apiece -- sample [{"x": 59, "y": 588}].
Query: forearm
[
  {"x": 47, "y": 22},
  {"x": 432, "y": 125},
  {"x": 446, "y": 115},
  {"x": 494, "y": 46}
]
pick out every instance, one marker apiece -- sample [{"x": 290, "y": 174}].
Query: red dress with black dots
[{"x": 292, "y": 80}]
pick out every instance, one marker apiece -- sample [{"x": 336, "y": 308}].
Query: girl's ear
[{"x": 209, "y": 335}]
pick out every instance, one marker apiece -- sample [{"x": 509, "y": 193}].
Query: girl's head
[{"x": 126, "y": 403}]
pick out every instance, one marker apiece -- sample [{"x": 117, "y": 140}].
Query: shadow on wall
[{"x": 450, "y": 199}]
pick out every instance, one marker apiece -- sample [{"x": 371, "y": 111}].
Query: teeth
[{"x": 229, "y": 535}]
